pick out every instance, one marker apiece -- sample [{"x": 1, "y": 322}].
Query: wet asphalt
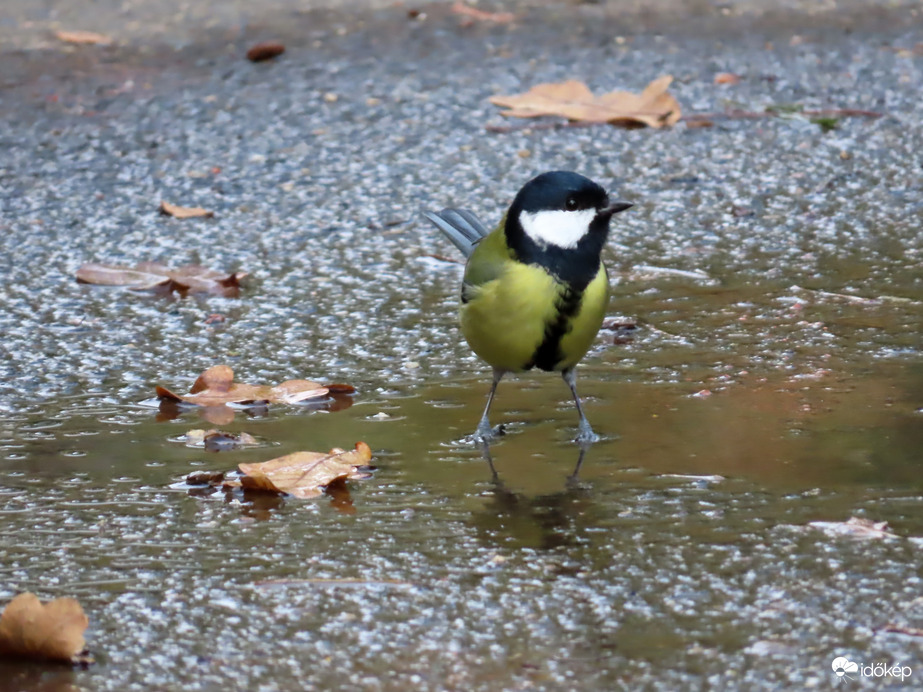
[{"x": 316, "y": 166}]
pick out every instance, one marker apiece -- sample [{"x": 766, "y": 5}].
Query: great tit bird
[{"x": 535, "y": 289}]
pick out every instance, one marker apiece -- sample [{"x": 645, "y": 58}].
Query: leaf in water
[
  {"x": 83, "y": 37},
  {"x": 216, "y": 386},
  {"x": 340, "y": 388},
  {"x": 205, "y": 478},
  {"x": 294, "y": 391},
  {"x": 217, "y": 440},
  {"x": 341, "y": 396},
  {"x": 305, "y": 474},
  {"x": 148, "y": 276},
  {"x": 653, "y": 107},
  {"x": 53, "y": 630},
  {"x": 178, "y": 212},
  {"x": 219, "y": 378},
  {"x": 855, "y": 527}
]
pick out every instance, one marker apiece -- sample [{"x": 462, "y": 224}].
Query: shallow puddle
[{"x": 680, "y": 550}]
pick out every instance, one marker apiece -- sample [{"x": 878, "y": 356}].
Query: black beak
[{"x": 612, "y": 209}]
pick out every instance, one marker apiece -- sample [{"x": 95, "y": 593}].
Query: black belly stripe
[{"x": 549, "y": 354}]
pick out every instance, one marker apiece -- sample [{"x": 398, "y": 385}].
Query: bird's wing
[
  {"x": 463, "y": 228},
  {"x": 489, "y": 261}
]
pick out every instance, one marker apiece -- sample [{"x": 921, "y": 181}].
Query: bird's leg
[
  {"x": 483, "y": 431},
  {"x": 585, "y": 433}
]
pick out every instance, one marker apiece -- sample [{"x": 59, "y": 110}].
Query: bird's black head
[{"x": 560, "y": 220}]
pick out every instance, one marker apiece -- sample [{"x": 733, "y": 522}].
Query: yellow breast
[{"x": 506, "y": 320}]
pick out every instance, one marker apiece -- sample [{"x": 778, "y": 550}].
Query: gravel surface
[{"x": 317, "y": 165}]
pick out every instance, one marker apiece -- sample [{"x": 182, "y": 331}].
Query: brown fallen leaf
[
  {"x": 727, "y": 78},
  {"x": 305, "y": 474},
  {"x": 110, "y": 275},
  {"x": 294, "y": 391},
  {"x": 53, "y": 630},
  {"x": 205, "y": 478},
  {"x": 340, "y": 388},
  {"x": 83, "y": 37},
  {"x": 154, "y": 276},
  {"x": 472, "y": 13},
  {"x": 267, "y": 50},
  {"x": 624, "y": 331},
  {"x": 653, "y": 107},
  {"x": 216, "y": 386},
  {"x": 179, "y": 212},
  {"x": 855, "y": 527},
  {"x": 196, "y": 279}
]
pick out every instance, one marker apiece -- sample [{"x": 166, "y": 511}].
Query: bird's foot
[
  {"x": 485, "y": 433},
  {"x": 585, "y": 435}
]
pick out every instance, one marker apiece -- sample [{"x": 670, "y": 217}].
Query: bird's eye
[{"x": 571, "y": 204}]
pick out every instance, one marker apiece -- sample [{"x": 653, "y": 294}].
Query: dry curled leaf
[
  {"x": 154, "y": 276},
  {"x": 476, "y": 15},
  {"x": 305, "y": 474},
  {"x": 653, "y": 107},
  {"x": 83, "y": 37},
  {"x": 196, "y": 279},
  {"x": 32, "y": 629},
  {"x": 267, "y": 50},
  {"x": 110, "y": 275},
  {"x": 178, "y": 212},
  {"x": 215, "y": 389},
  {"x": 216, "y": 386}
]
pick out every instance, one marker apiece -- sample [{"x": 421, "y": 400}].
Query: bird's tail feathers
[{"x": 463, "y": 228}]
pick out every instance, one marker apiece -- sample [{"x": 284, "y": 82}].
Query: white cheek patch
[{"x": 557, "y": 227}]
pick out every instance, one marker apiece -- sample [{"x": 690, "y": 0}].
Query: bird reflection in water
[{"x": 543, "y": 522}]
